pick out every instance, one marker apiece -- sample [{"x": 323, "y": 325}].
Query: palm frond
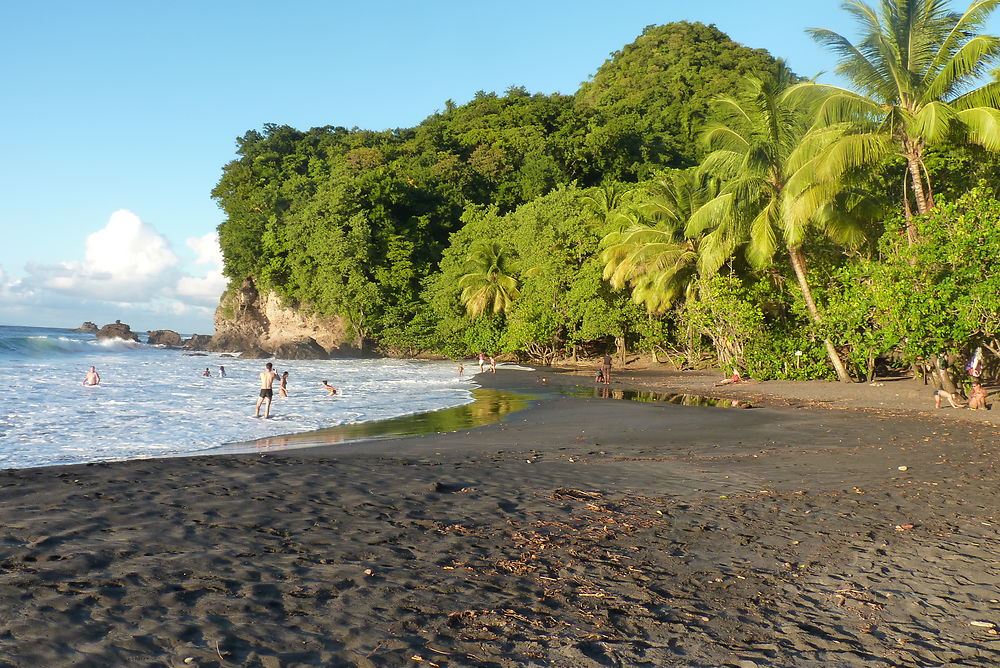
[
  {"x": 970, "y": 22},
  {"x": 958, "y": 73},
  {"x": 981, "y": 125},
  {"x": 987, "y": 95},
  {"x": 932, "y": 122}
]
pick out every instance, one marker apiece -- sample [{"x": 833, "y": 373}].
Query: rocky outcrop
[
  {"x": 163, "y": 337},
  {"x": 255, "y": 353},
  {"x": 303, "y": 349},
  {"x": 86, "y": 327},
  {"x": 251, "y": 321},
  {"x": 117, "y": 330},
  {"x": 197, "y": 342}
]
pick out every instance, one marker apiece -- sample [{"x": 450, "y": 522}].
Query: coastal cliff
[{"x": 258, "y": 325}]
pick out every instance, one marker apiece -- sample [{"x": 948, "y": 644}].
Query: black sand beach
[{"x": 579, "y": 532}]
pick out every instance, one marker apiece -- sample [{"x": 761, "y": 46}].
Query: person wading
[{"x": 267, "y": 377}]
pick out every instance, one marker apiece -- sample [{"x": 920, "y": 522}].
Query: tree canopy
[{"x": 695, "y": 199}]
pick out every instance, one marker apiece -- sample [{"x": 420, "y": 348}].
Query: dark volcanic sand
[{"x": 582, "y": 532}]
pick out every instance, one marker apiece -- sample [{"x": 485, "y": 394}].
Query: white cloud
[
  {"x": 126, "y": 261},
  {"x": 128, "y": 266},
  {"x": 204, "y": 289},
  {"x": 206, "y": 249}
]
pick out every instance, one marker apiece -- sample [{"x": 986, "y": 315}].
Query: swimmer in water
[
  {"x": 207, "y": 374},
  {"x": 330, "y": 389},
  {"x": 92, "y": 377},
  {"x": 267, "y": 377}
]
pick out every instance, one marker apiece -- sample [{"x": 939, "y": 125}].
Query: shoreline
[{"x": 584, "y": 532}]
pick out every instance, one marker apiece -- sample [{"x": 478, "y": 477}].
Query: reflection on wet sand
[
  {"x": 488, "y": 406},
  {"x": 648, "y": 396}
]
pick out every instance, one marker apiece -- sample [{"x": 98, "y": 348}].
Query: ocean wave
[{"x": 45, "y": 346}]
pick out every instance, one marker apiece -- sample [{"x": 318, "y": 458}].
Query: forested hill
[
  {"x": 355, "y": 222},
  {"x": 654, "y": 96}
]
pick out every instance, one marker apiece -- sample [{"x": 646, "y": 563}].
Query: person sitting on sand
[
  {"x": 944, "y": 394},
  {"x": 977, "y": 396},
  {"x": 283, "y": 385},
  {"x": 330, "y": 389},
  {"x": 92, "y": 377},
  {"x": 735, "y": 378},
  {"x": 267, "y": 377}
]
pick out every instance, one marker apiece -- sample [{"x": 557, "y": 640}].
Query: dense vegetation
[{"x": 695, "y": 200}]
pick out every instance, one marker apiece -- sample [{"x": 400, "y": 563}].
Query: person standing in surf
[
  {"x": 92, "y": 377},
  {"x": 267, "y": 378},
  {"x": 283, "y": 385}
]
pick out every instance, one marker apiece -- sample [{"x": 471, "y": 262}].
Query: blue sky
[{"x": 135, "y": 106}]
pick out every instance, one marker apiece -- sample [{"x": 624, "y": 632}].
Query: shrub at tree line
[{"x": 694, "y": 200}]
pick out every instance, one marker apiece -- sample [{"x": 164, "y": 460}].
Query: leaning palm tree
[
  {"x": 764, "y": 153},
  {"x": 652, "y": 253},
  {"x": 917, "y": 78},
  {"x": 488, "y": 286}
]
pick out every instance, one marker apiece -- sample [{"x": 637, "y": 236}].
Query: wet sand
[{"x": 579, "y": 532}]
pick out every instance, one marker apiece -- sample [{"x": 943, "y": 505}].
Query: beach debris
[
  {"x": 189, "y": 659},
  {"x": 565, "y": 493},
  {"x": 903, "y": 468},
  {"x": 903, "y": 527},
  {"x": 982, "y": 624}
]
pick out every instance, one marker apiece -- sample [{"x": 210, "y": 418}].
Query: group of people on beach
[
  {"x": 266, "y": 394},
  {"x": 977, "y": 393},
  {"x": 486, "y": 362},
  {"x": 267, "y": 379}
]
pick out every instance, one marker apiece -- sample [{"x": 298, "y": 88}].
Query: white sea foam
[{"x": 155, "y": 402}]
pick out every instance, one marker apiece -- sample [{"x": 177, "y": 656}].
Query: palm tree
[
  {"x": 916, "y": 74},
  {"x": 488, "y": 286},
  {"x": 652, "y": 253},
  {"x": 763, "y": 151}
]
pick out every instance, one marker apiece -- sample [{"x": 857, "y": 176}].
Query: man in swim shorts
[
  {"x": 267, "y": 377},
  {"x": 92, "y": 377}
]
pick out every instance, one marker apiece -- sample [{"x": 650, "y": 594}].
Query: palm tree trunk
[
  {"x": 799, "y": 266},
  {"x": 913, "y": 162}
]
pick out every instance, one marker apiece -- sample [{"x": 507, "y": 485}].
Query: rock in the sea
[
  {"x": 230, "y": 341},
  {"x": 301, "y": 349},
  {"x": 117, "y": 330},
  {"x": 197, "y": 342},
  {"x": 86, "y": 327},
  {"x": 164, "y": 337},
  {"x": 255, "y": 353}
]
